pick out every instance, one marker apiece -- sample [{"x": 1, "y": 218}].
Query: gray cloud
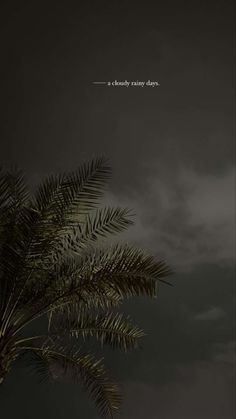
[
  {"x": 213, "y": 313},
  {"x": 188, "y": 219},
  {"x": 204, "y": 389}
]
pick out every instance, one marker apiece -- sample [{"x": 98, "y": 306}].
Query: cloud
[
  {"x": 188, "y": 218},
  {"x": 213, "y": 313},
  {"x": 203, "y": 390}
]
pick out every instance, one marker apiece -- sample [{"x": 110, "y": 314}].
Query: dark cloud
[
  {"x": 203, "y": 390},
  {"x": 188, "y": 218}
]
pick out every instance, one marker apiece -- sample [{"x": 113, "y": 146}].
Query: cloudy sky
[{"x": 172, "y": 151}]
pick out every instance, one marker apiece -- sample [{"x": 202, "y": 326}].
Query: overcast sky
[{"x": 172, "y": 150}]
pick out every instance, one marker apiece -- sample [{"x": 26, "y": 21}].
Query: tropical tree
[{"x": 56, "y": 265}]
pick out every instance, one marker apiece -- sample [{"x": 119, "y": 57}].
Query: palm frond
[
  {"x": 60, "y": 362},
  {"x": 13, "y": 191},
  {"x": 97, "y": 226},
  {"x": 62, "y": 203},
  {"x": 55, "y": 263},
  {"x": 40, "y": 365},
  {"x": 14, "y": 231},
  {"x": 121, "y": 270},
  {"x": 74, "y": 193},
  {"x": 111, "y": 329}
]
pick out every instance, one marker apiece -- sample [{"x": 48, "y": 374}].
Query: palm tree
[{"x": 55, "y": 265}]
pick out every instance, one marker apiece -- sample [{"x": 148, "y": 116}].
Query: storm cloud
[{"x": 188, "y": 220}]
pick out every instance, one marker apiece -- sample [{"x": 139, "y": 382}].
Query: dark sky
[{"x": 172, "y": 151}]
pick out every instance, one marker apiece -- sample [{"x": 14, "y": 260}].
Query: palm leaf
[
  {"x": 68, "y": 195},
  {"x": 97, "y": 226},
  {"x": 109, "y": 328},
  {"x": 62, "y": 203},
  {"x": 61, "y": 362},
  {"x": 54, "y": 262}
]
